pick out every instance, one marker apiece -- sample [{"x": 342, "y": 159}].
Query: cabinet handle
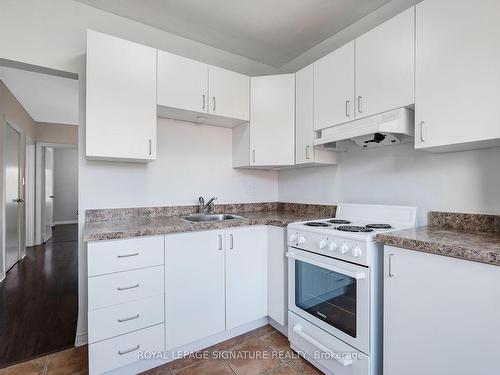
[
  {"x": 231, "y": 242},
  {"x": 204, "y": 101},
  {"x": 213, "y": 97},
  {"x": 127, "y": 319},
  {"x": 253, "y": 155},
  {"x": 122, "y": 352},
  {"x": 128, "y": 287},
  {"x": 347, "y": 108},
  {"x": 127, "y": 255},
  {"x": 220, "y": 241},
  {"x": 360, "y": 104},
  {"x": 391, "y": 274},
  {"x": 150, "y": 147},
  {"x": 307, "y": 152},
  {"x": 422, "y": 123}
]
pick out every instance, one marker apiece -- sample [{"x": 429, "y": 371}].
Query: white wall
[
  {"x": 65, "y": 185},
  {"x": 192, "y": 160},
  {"x": 51, "y": 33},
  {"x": 460, "y": 181}
]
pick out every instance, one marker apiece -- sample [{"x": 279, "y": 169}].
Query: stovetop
[{"x": 341, "y": 226}]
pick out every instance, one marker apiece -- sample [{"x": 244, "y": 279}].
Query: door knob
[
  {"x": 51, "y": 196},
  {"x": 19, "y": 200}
]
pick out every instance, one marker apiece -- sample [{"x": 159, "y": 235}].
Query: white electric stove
[{"x": 335, "y": 274}]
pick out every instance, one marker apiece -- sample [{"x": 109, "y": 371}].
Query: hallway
[{"x": 39, "y": 299}]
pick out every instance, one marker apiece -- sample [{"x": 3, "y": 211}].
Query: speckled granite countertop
[
  {"x": 147, "y": 226},
  {"x": 449, "y": 235}
]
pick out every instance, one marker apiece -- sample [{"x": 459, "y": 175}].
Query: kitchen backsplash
[
  {"x": 93, "y": 215},
  {"x": 465, "y": 221}
]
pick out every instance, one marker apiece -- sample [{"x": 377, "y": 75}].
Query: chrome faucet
[{"x": 206, "y": 208}]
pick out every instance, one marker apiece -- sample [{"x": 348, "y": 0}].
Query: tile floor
[
  {"x": 258, "y": 352},
  {"x": 71, "y": 361}
]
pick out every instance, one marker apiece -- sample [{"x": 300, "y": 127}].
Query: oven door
[{"x": 332, "y": 294}]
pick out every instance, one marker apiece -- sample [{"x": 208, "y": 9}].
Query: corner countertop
[
  {"x": 470, "y": 245},
  {"x": 147, "y": 226}
]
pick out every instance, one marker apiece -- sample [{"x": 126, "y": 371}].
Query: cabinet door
[
  {"x": 229, "y": 93},
  {"x": 439, "y": 315},
  {"x": 334, "y": 88},
  {"x": 120, "y": 99},
  {"x": 385, "y": 66},
  {"x": 246, "y": 275},
  {"x": 457, "y": 88},
  {"x": 277, "y": 284},
  {"x": 182, "y": 83},
  {"x": 304, "y": 118},
  {"x": 194, "y": 286},
  {"x": 272, "y": 120}
]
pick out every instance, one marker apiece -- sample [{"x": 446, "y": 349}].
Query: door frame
[
  {"x": 29, "y": 192},
  {"x": 40, "y": 186},
  {"x": 8, "y": 122}
]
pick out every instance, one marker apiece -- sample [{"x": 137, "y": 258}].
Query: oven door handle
[
  {"x": 353, "y": 274},
  {"x": 343, "y": 361}
]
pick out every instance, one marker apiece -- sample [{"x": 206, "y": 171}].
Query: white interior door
[
  {"x": 13, "y": 199},
  {"x": 49, "y": 192}
]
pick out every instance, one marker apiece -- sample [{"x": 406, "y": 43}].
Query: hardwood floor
[{"x": 39, "y": 299}]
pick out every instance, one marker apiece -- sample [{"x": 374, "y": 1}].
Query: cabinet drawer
[
  {"x": 120, "y": 319},
  {"x": 124, "y": 350},
  {"x": 123, "y": 255},
  {"x": 108, "y": 290}
]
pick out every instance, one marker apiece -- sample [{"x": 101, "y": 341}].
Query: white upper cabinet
[
  {"x": 385, "y": 66},
  {"x": 305, "y": 153},
  {"x": 182, "y": 83},
  {"x": 120, "y": 99},
  {"x": 269, "y": 139},
  {"x": 229, "y": 93},
  {"x": 457, "y": 74},
  {"x": 193, "y": 91},
  {"x": 334, "y": 88}
]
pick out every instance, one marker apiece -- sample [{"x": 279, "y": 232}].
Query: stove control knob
[
  {"x": 321, "y": 244},
  {"x": 293, "y": 237},
  {"x": 302, "y": 240},
  {"x": 356, "y": 251},
  {"x": 344, "y": 248},
  {"x": 333, "y": 246}
]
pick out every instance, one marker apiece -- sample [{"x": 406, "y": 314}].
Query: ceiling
[
  {"x": 45, "y": 97},
  {"x": 273, "y": 32}
]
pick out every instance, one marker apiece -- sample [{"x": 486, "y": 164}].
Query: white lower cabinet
[
  {"x": 440, "y": 315},
  {"x": 124, "y": 350},
  {"x": 126, "y": 308},
  {"x": 277, "y": 283},
  {"x": 194, "y": 286},
  {"x": 246, "y": 275},
  {"x": 214, "y": 281},
  {"x": 127, "y": 317}
]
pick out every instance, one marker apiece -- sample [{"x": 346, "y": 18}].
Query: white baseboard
[
  {"x": 2, "y": 277},
  {"x": 65, "y": 222},
  {"x": 283, "y": 329},
  {"x": 81, "y": 339}
]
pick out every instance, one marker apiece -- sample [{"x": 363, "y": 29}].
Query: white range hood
[{"x": 378, "y": 130}]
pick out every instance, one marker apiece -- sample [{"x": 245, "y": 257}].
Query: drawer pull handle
[
  {"x": 127, "y": 255},
  {"x": 129, "y": 318},
  {"x": 122, "y": 352},
  {"x": 128, "y": 287}
]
